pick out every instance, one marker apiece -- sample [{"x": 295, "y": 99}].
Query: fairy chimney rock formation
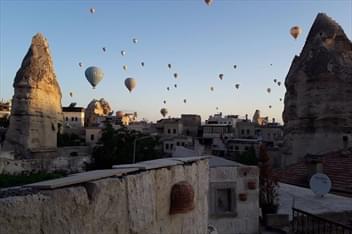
[
  {"x": 36, "y": 113},
  {"x": 318, "y": 101},
  {"x": 94, "y": 110}
]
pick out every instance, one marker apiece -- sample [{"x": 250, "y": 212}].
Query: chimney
[{"x": 314, "y": 164}]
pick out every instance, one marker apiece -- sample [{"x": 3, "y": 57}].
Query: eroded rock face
[
  {"x": 96, "y": 108},
  {"x": 318, "y": 101},
  {"x": 36, "y": 112}
]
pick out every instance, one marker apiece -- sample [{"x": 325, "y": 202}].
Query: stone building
[
  {"x": 233, "y": 197},
  {"x": 36, "y": 114},
  {"x": 318, "y": 101},
  {"x": 73, "y": 117}
]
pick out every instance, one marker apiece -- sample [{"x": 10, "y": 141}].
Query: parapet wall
[{"x": 137, "y": 201}]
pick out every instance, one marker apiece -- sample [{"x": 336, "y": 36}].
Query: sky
[{"x": 199, "y": 41}]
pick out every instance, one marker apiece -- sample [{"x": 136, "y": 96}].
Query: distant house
[
  {"x": 93, "y": 135},
  {"x": 73, "y": 117}
]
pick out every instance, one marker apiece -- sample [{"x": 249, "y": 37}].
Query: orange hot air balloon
[{"x": 295, "y": 31}]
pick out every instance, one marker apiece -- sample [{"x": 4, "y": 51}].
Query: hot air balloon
[
  {"x": 142, "y": 64},
  {"x": 163, "y": 112},
  {"x": 164, "y": 102},
  {"x": 211, "y": 88},
  {"x": 130, "y": 83},
  {"x": 275, "y": 80},
  {"x": 71, "y": 94},
  {"x": 280, "y": 99},
  {"x": 221, "y": 76},
  {"x": 234, "y": 66},
  {"x": 94, "y": 75},
  {"x": 169, "y": 66},
  {"x": 104, "y": 49},
  {"x": 217, "y": 108},
  {"x": 295, "y": 31},
  {"x": 134, "y": 40},
  {"x": 184, "y": 100},
  {"x": 92, "y": 10},
  {"x": 279, "y": 83},
  {"x": 123, "y": 53},
  {"x": 237, "y": 86},
  {"x": 175, "y": 85},
  {"x": 271, "y": 64},
  {"x": 208, "y": 2},
  {"x": 175, "y": 75},
  {"x": 168, "y": 88},
  {"x": 269, "y": 106},
  {"x": 124, "y": 67},
  {"x": 80, "y": 64},
  {"x": 268, "y": 90}
]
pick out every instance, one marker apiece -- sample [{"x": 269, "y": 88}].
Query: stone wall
[
  {"x": 246, "y": 219},
  {"x": 128, "y": 204}
]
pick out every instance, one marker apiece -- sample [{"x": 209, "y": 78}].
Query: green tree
[
  {"x": 248, "y": 157},
  {"x": 116, "y": 147}
]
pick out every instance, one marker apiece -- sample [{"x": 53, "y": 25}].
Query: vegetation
[
  {"x": 116, "y": 147},
  {"x": 268, "y": 183},
  {"x": 69, "y": 140},
  {"x": 248, "y": 157},
  {"x": 25, "y": 178}
]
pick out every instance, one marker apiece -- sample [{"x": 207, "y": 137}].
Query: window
[
  {"x": 178, "y": 143},
  {"x": 248, "y": 131},
  {"x": 246, "y": 148},
  {"x": 222, "y": 199},
  {"x": 167, "y": 146},
  {"x": 183, "y": 144},
  {"x": 72, "y": 118},
  {"x": 242, "y": 131},
  {"x": 76, "y": 119},
  {"x": 66, "y": 118},
  {"x": 169, "y": 131},
  {"x": 92, "y": 137},
  {"x": 174, "y": 131},
  {"x": 236, "y": 147},
  {"x": 171, "y": 146}
]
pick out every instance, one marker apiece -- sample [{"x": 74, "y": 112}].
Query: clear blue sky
[{"x": 199, "y": 41}]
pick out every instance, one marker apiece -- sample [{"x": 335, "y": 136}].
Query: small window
[
  {"x": 66, "y": 118},
  {"x": 167, "y": 146},
  {"x": 76, "y": 119},
  {"x": 183, "y": 144},
  {"x": 248, "y": 131},
  {"x": 178, "y": 143},
  {"x": 92, "y": 137},
  {"x": 72, "y": 119},
  {"x": 246, "y": 148},
  {"x": 171, "y": 146},
  {"x": 242, "y": 131},
  {"x": 174, "y": 131},
  {"x": 223, "y": 199},
  {"x": 169, "y": 131},
  {"x": 236, "y": 147}
]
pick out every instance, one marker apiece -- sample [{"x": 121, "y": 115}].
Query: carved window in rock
[{"x": 222, "y": 200}]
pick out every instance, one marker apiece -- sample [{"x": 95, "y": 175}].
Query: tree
[
  {"x": 116, "y": 147},
  {"x": 248, "y": 157},
  {"x": 268, "y": 183}
]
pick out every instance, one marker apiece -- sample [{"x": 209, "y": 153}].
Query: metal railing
[{"x": 306, "y": 223}]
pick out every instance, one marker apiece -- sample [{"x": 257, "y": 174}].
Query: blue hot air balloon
[{"x": 94, "y": 75}]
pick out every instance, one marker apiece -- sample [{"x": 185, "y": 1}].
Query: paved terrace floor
[{"x": 306, "y": 200}]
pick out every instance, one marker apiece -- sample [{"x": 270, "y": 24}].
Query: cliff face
[
  {"x": 36, "y": 105},
  {"x": 318, "y": 101},
  {"x": 95, "y": 109}
]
